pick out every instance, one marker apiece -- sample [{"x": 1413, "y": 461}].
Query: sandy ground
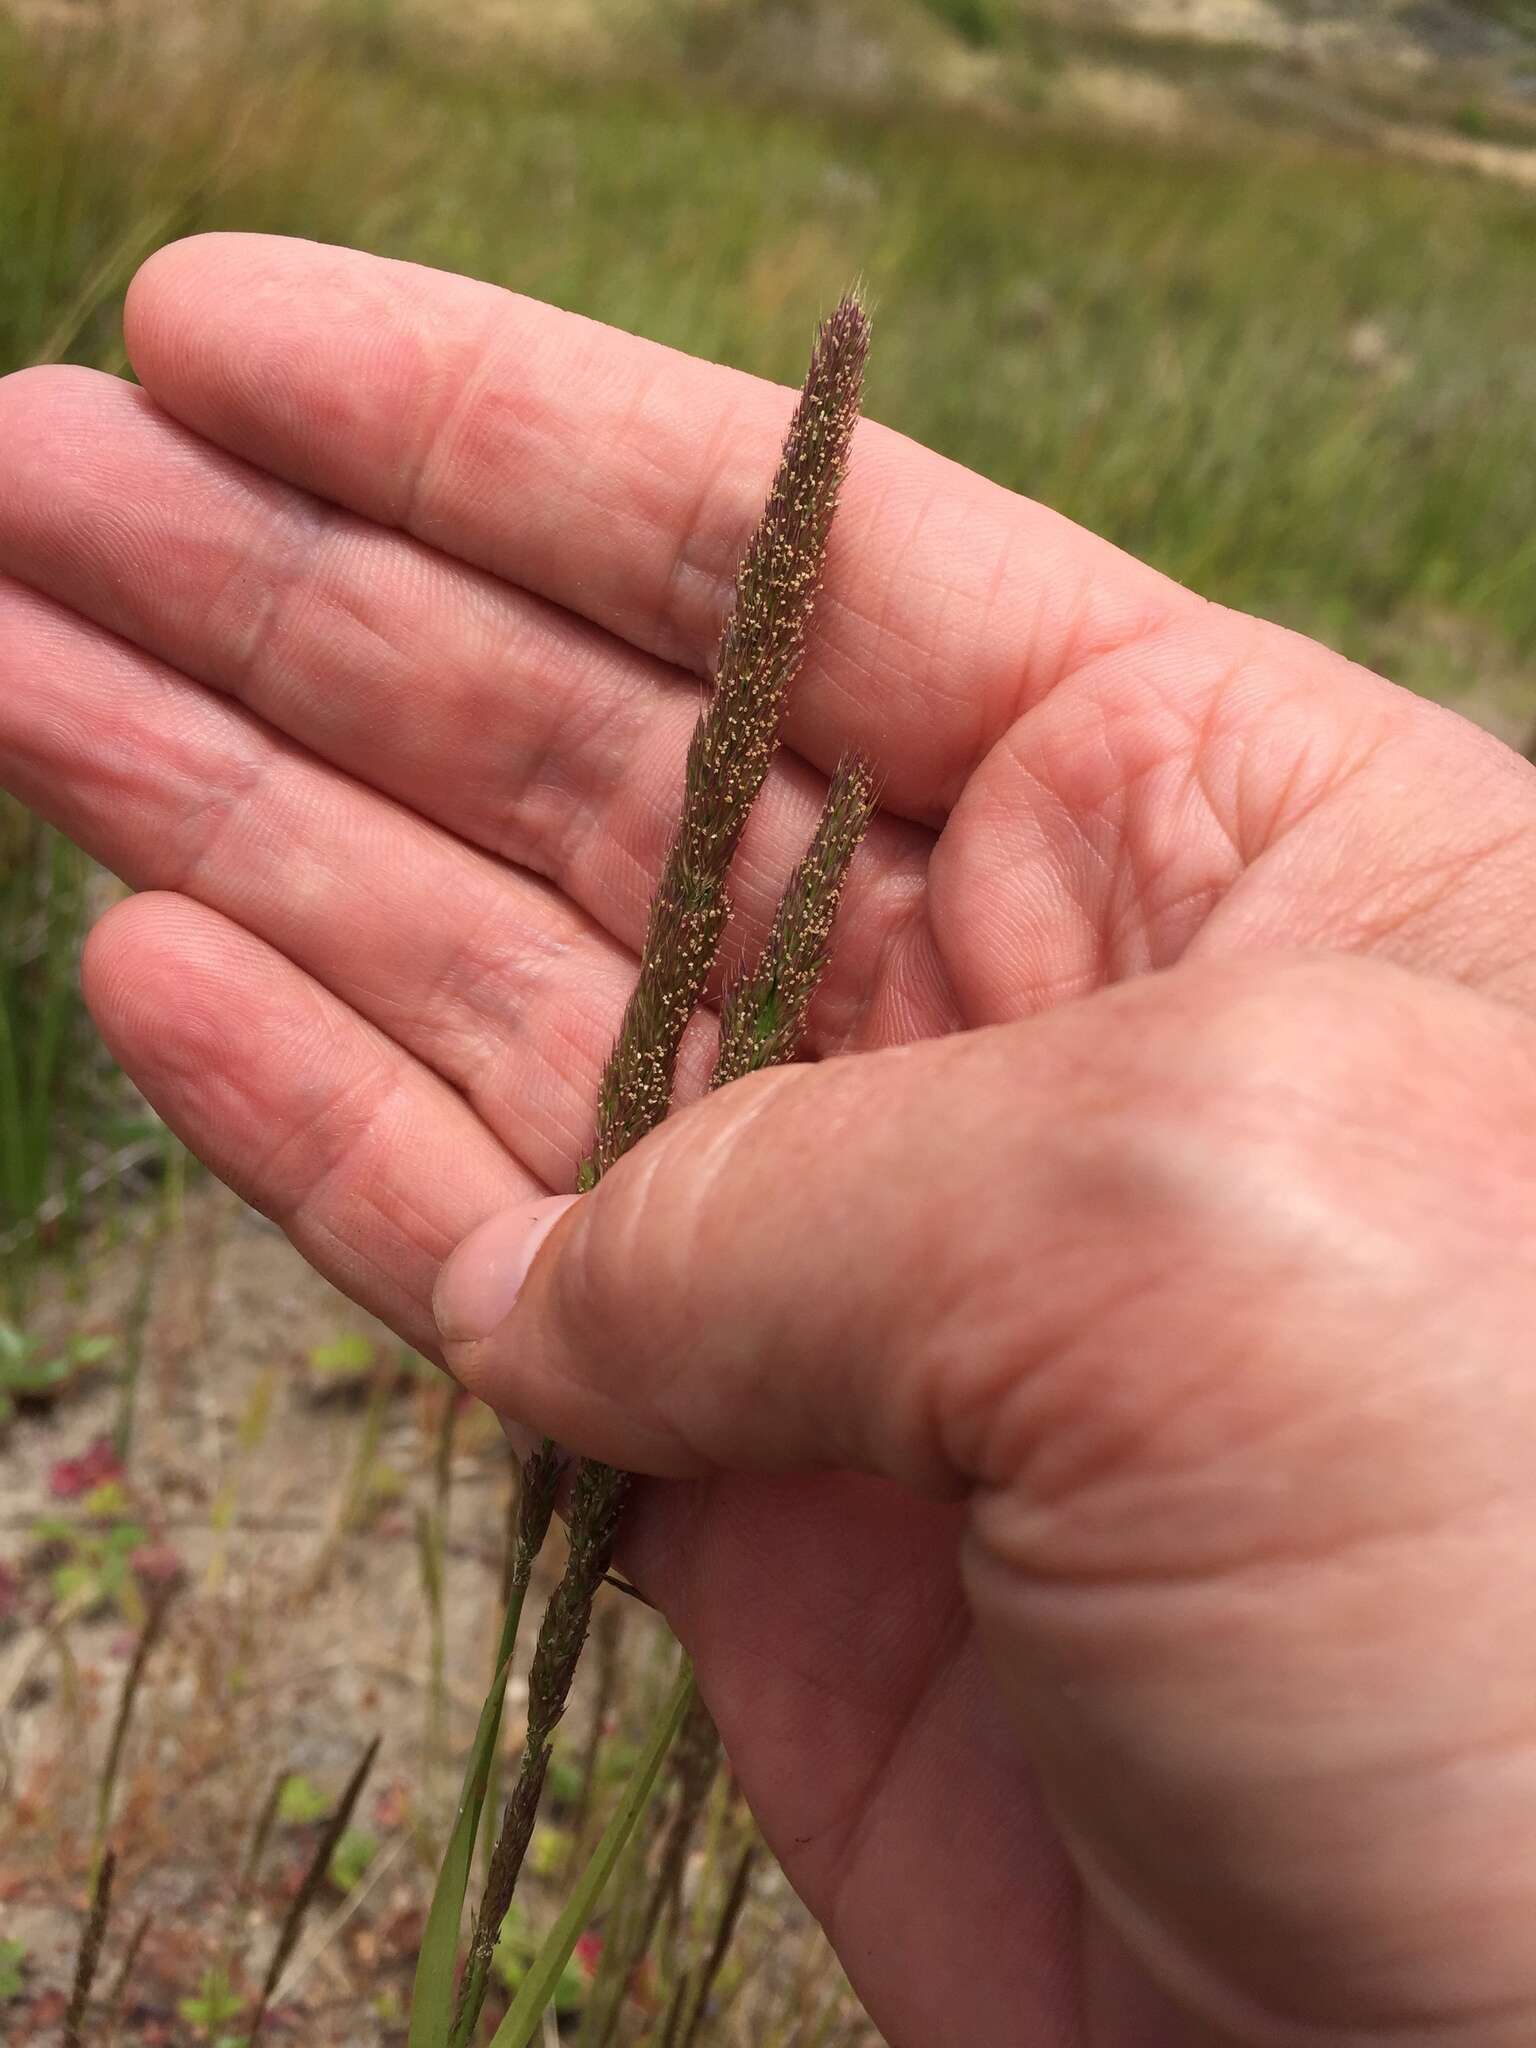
[{"x": 288, "y": 1646}]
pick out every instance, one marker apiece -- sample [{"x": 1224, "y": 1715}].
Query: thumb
[
  {"x": 1211, "y": 1293},
  {"x": 757, "y": 1286},
  {"x": 885, "y": 1263}
]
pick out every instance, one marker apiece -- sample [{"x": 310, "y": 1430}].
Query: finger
[
  {"x": 483, "y": 974},
  {"x": 621, "y": 479},
  {"x": 1036, "y": 1178},
  {"x": 371, "y": 1164},
  {"x": 513, "y": 723}
]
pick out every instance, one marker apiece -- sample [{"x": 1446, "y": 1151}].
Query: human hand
[
  {"x": 1191, "y": 1321},
  {"x": 367, "y": 640}
]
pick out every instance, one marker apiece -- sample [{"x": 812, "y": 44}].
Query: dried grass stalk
[
  {"x": 90, "y": 1951},
  {"x": 309, "y": 1886}
]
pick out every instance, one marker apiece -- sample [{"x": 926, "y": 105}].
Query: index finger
[{"x": 620, "y": 479}]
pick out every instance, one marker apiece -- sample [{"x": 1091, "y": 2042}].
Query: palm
[{"x": 401, "y": 757}]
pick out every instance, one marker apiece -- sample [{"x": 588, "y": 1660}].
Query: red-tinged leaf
[
  {"x": 589, "y": 1951},
  {"x": 73, "y": 1478}
]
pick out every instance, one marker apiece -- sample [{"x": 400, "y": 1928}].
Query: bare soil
[{"x": 293, "y": 1638}]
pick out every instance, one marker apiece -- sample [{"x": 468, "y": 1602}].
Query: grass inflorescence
[
  {"x": 733, "y": 743},
  {"x": 761, "y": 648}
]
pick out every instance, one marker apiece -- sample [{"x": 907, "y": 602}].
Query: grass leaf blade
[
  {"x": 432, "y": 1995},
  {"x": 538, "y": 1987}
]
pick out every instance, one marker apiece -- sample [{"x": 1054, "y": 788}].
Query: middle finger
[{"x": 521, "y": 728}]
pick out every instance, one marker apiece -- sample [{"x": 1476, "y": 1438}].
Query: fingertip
[
  {"x": 115, "y": 938},
  {"x": 156, "y": 974},
  {"x": 190, "y": 288},
  {"x": 480, "y": 1281},
  {"x": 157, "y": 284}
]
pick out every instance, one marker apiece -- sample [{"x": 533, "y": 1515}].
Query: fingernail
[{"x": 483, "y": 1278}]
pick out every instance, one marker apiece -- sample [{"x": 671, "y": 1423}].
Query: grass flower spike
[{"x": 761, "y": 648}]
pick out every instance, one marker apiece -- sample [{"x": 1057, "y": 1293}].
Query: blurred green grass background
[
  {"x": 1294, "y": 372},
  {"x": 1296, "y": 376}
]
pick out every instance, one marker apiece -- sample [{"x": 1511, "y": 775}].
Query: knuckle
[{"x": 664, "y": 1224}]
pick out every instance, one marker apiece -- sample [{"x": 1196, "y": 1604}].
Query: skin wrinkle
[
  {"x": 400, "y": 1302},
  {"x": 711, "y": 1159},
  {"x": 691, "y": 648},
  {"x": 1023, "y": 741},
  {"x": 551, "y": 1121},
  {"x": 1202, "y": 722},
  {"x": 891, "y": 578},
  {"x": 264, "y": 768},
  {"x": 1036, "y": 1539},
  {"x": 1205, "y": 729},
  {"x": 476, "y": 974},
  {"x": 228, "y": 809},
  {"x": 299, "y": 535},
  {"x": 1130, "y": 907},
  {"x": 884, "y": 1767},
  {"x": 435, "y": 440},
  {"x": 1082, "y": 651},
  {"x": 351, "y": 1110},
  {"x": 1235, "y": 2016},
  {"x": 348, "y": 633},
  {"x": 1016, "y": 748},
  {"x": 1209, "y": 728},
  {"x": 342, "y": 282},
  {"x": 1340, "y": 780},
  {"x": 1197, "y": 1111},
  {"x": 535, "y": 948},
  {"x": 1259, "y": 2022},
  {"x": 643, "y": 847},
  {"x": 893, "y": 902},
  {"x": 1447, "y": 876},
  {"x": 1286, "y": 809},
  {"x": 1165, "y": 934},
  {"x": 997, "y": 580},
  {"x": 602, "y": 729}
]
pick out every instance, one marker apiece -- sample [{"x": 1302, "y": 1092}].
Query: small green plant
[
  {"x": 343, "y": 1365},
  {"x": 90, "y": 1562},
  {"x": 214, "y": 2004},
  {"x": 351, "y": 1857},
  {"x": 980, "y": 23},
  {"x": 33, "y": 1375},
  {"x": 301, "y": 1803},
  {"x": 349, "y": 1366},
  {"x": 13, "y": 1961}
]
